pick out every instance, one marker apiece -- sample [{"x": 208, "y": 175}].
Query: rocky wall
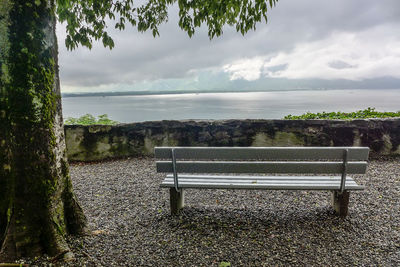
[{"x": 89, "y": 143}]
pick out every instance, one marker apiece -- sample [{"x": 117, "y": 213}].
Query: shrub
[
  {"x": 89, "y": 119},
  {"x": 360, "y": 114}
]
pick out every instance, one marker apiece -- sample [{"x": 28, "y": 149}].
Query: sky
[{"x": 305, "y": 44}]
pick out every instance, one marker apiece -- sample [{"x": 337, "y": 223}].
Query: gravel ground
[{"x": 131, "y": 223}]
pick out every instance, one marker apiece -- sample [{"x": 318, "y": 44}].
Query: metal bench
[{"x": 209, "y": 167}]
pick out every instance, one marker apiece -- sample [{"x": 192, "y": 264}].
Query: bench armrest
[{"x": 173, "y": 156}]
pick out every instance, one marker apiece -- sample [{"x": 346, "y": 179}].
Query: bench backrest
[{"x": 322, "y": 160}]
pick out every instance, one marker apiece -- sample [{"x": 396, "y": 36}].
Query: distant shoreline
[{"x": 174, "y": 92}]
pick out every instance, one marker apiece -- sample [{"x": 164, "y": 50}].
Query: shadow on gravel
[
  {"x": 260, "y": 237},
  {"x": 230, "y": 221}
]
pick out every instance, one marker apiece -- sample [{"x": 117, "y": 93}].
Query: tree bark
[{"x": 38, "y": 208}]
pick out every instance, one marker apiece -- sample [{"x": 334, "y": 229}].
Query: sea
[{"x": 216, "y": 106}]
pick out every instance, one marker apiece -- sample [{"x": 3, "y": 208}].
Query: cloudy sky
[{"x": 336, "y": 43}]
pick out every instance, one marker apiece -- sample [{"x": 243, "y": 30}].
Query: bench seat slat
[
  {"x": 257, "y": 181},
  {"x": 171, "y": 183},
  {"x": 277, "y": 186},
  {"x": 168, "y": 181},
  {"x": 260, "y": 167},
  {"x": 263, "y": 153},
  {"x": 258, "y": 177}
]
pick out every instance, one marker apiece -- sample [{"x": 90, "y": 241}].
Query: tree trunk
[{"x": 37, "y": 206}]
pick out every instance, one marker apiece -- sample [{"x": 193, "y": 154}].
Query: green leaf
[
  {"x": 224, "y": 264},
  {"x": 88, "y": 20}
]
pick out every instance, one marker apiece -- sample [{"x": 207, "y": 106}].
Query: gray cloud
[
  {"x": 138, "y": 57},
  {"x": 339, "y": 64},
  {"x": 276, "y": 68}
]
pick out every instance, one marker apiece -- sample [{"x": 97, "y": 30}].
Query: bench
[{"x": 224, "y": 168}]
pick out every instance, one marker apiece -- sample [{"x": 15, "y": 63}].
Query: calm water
[{"x": 259, "y": 105}]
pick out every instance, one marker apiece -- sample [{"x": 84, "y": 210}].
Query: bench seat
[
  {"x": 264, "y": 168},
  {"x": 261, "y": 182}
]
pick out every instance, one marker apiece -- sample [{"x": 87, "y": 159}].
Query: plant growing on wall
[
  {"x": 89, "y": 119},
  {"x": 360, "y": 114}
]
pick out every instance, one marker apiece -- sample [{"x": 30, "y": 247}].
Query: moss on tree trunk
[{"x": 37, "y": 206}]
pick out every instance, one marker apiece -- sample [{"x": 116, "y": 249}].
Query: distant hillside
[{"x": 220, "y": 83}]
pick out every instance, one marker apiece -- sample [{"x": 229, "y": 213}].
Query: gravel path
[{"x": 129, "y": 216}]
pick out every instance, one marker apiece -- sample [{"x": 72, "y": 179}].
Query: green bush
[
  {"x": 360, "y": 114},
  {"x": 89, "y": 119}
]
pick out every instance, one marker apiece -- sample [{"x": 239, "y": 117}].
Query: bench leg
[
  {"x": 340, "y": 202},
  {"x": 176, "y": 200}
]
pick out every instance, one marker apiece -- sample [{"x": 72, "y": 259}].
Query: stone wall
[{"x": 88, "y": 143}]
